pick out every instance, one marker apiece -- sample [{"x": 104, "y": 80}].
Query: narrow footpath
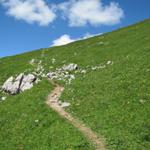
[{"x": 52, "y": 101}]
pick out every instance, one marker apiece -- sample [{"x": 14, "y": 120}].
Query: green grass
[
  {"x": 115, "y": 101},
  {"x": 20, "y": 130}
]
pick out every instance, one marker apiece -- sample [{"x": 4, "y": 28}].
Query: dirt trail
[{"x": 52, "y": 101}]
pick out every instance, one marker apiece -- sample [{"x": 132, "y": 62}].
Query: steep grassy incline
[{"x": 113, "y": 101}]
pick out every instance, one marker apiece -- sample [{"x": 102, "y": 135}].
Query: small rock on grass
[
  {"x": 64, "y": 104},
  {"x": 36, "y": 121},
  {"x": 3, "y": 98},
  {"x": 109, "y": 62},
  {"x": 70, "y": 67}
]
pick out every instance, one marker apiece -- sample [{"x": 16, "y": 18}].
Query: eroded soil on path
[{"x": 52, "y": 101}]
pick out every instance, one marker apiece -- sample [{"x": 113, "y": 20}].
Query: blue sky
[{"x": 34, "y": 24}]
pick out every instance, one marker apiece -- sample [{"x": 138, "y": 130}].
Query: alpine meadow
[{"x": 106, "y": 81}]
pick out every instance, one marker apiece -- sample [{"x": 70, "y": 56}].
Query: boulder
[
  {"x": 19, "y": 77},
  {"x": 27, "y": 82},
  {"x": 14, "y": 88},
  {"x": 21, "y": 83},
  {"x": 26, "y": 86},
  {"x": 29, "y": 78},
  {"x": 10, "y": 86},
  {"x": 7, "y": 84}
]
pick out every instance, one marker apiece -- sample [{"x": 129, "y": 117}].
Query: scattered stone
[
  {"x": 98, "y": 67},
  {"x": 83, "y": 71},
  {"x": 40, "y": 68},
  {"x": 32, "y": 61},
  {"x": 43, "y": 75},
  {"x": 52, "y": 75},
  {"x": 53, "y": 60},
  {"x": 40, "y": 62},
  {"x": 51, "y": 67},
  {"x": 102, "y": 67},
  {"x": 71, "y": 76},
  {"x": 63, "y": 73},
  {"x": 142, "y": 101},
  {"x": 64, "y": 104},
  {"x": 66, "y": 73},
  {"x": 70, "y": 67},
  {"x": 37, "y": 81},
  {"x": 109, "y": 62},
  {"x": 36, "y": 121},
  {"x": 39, "y": 71},
  {"x": 3, "y": 98},
  {"x": 94, "y": 68}
]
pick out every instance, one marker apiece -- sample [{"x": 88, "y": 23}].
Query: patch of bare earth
[{"x": 52, "y": 101}]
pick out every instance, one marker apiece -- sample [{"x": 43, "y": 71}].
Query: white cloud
[
  {"x": 83, "y": 12},
  {"x": 78, "y": 12},
  {"x": 63, "y": 40},
  {"x": 66, "y": 39},
  {"x": 30, "y": 11},
  {"x": 89, "y": 35}
]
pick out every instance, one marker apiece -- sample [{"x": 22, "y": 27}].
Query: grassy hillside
[{"x": 113, "y": 101}]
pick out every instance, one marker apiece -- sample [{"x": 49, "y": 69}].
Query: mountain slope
[{"x": 113, "y": 101}]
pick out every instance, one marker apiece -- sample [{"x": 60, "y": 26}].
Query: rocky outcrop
[
  {"x": 66, "y": 73},
  {"x": 19, "y": 84}
]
